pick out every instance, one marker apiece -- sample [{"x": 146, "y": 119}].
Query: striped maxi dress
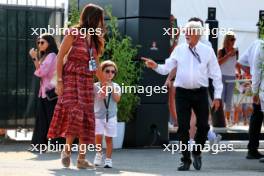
[{"x": 74, "y": 111}]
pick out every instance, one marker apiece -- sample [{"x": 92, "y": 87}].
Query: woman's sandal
[
  {"x": 65, "y": 159},
  {"x": 84, "y": 164}
]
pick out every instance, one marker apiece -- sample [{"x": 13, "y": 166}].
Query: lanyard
[
  {"x": 91, "y": 61},
  {"x": 90, "y": 49},
  {"x": 91, "y": 53},
  {"x": 195, "y": 54},
  {"x": 107, "y": 106}
]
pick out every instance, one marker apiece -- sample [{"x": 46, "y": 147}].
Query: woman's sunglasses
[
  {"x": 110, "y": 71},
  {"x": 41, "y": 42},
  {"x": 232, "y": 39}
]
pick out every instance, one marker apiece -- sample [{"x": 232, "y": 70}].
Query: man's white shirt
[
  {"x": 257, "y": 76},
  {"x": 249, "y": 56},
  {"x": 252, "y": 58},
  {"x": 192, "y": 74}
]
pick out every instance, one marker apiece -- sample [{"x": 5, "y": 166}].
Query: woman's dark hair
[
  {"x": 52, "y": 46},
  {"x": 92, "y": 16}
]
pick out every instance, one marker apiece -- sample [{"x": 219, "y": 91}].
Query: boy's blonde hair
[{"x": 108, "y": 63}]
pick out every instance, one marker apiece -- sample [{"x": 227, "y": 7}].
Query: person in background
[
  {"x": 246, "y": 61},
  {"x": 44, "y": 59},
  {"x": 212, "y": 137},
  {"x": 74, "y": 112},
  {"x": 258, "y": 79},
  {"x": 170, "y": 79},
  {"x": 247, "y": 106},
  {"x": 105, "y": 109},
  {"x": 227, "y": 58},
  {"x": 2, "y": 132}
]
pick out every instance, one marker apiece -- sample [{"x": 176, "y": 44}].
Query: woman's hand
[
  {"x": 59, "y": 88},
  {"x": 231, "y": 53},
  {"x": 33, "y": 53},
  {"x": 149, "y": 63}
]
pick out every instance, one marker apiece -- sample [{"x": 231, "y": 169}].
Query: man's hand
[
  {"x": 149, "y": 63},
  {"x": 256, "y": 99},
  {"x": 216, "y": 104}
]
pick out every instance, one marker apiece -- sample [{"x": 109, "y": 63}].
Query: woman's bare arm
[
  {"x": 64, "y": 49},
  {"x": 221, "y": 59}
]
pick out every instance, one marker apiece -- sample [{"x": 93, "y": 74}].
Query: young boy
[{"x": 105, "y": 109}]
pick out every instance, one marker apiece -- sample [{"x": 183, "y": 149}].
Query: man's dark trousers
[
  {"x": 255, "y": 124},
  {"x": 186, "y": 101}
]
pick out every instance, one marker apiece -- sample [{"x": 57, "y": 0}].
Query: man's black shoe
[
  {"x": 254, "y": 155},
  {"x": 197, "y": 161},
  {"x": 185, "y": 166}
]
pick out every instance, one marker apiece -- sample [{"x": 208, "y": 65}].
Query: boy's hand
[
  {"x": 149, "y": 63},
  {"x": 101, "y": 96}
]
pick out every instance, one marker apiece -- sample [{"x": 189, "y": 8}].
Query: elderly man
[
  {"x": 258, "y": 82},
  {"x": 195, "y": 63},
  {"x": 249, "y": 58}
]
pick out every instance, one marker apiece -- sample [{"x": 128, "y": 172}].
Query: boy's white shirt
[{"x": 98, "y": 84}]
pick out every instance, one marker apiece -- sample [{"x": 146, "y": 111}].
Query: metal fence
[{"x": 18, "y": 86}]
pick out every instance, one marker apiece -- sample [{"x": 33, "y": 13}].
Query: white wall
[{"x": 241, "y": 15}]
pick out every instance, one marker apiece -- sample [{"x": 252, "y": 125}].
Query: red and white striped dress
[{"x": 74, "y": 112}]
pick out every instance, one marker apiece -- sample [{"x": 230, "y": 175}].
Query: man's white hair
[{"x": 197, "y": 25}]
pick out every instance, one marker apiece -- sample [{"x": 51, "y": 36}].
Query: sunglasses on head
[
  {"x": 110, "y": 71},
  {"x": 41, "y": 42}
]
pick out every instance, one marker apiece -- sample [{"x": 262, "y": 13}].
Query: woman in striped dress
[{"x": 74, "y": 112}]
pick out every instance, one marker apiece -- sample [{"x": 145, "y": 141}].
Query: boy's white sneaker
[
  {"x": 108, "y": 163},
  {"x": 98, "y": 159}
]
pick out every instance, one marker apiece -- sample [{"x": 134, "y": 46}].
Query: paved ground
[{"x": 15, "y": 160}]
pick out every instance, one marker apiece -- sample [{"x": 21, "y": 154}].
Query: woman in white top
[{"x": 227, "y": 59}]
